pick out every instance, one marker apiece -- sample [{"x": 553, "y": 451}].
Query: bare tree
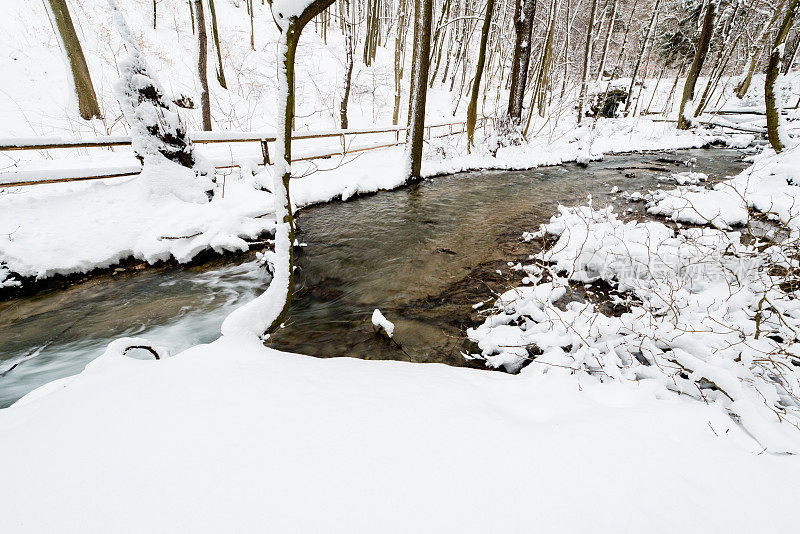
[
  {"x": 215, "y": 35},
  {"x": 757, "y": 46},
  {"x": 587, "y": 57},
  {"x": 645, "y": 43},
  {"x": 472, "y": 109},
  {"x": 71, "y": 46},
  {"x": 697, "y": 64},
  {"x": 399, "y": 56},
  {"x": 609, "y": 33},
  {"x": 349, "y": 45},
  {"x": 776, "y": 138},
  {"x": 266, "y": 312},
  {"x": 524, "y": 13},
  {"x": 202, "y": 64},
  {"x": 422, "y": 48}
]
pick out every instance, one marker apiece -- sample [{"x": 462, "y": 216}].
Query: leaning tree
[
  {"x": 777, "y": 137},
  {"x": 59, "y": 15},
  {"x": 265, "y": 313}
]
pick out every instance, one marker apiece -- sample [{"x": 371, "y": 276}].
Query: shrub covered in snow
[
  {"x": 156, "y": 128},
  {"x": 700, "y": 312}
]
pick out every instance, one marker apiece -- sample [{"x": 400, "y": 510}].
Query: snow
[
  {"x": 381, "y": 322},
  {"x": 249, "y": 437},
  {"x": 768, "y": 186},
  {"x": 661, "y": 417},
  {"x": 74, "y": 228},
  {"x": 692, "y": 300}
]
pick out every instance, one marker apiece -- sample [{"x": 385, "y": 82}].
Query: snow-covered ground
[
  {"x": 675, "y": 415},
  {"x": 233, "y": 436},
  {"x": 68, "y": 228},
  {"x": 705, "y": 312}
]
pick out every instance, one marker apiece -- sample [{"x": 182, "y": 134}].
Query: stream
[{"x": 423, "y": 254}]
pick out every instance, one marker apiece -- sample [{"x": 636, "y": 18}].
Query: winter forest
[{"x": 374, "y": 265}]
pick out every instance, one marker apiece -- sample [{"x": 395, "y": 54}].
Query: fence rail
[{"x": 37, "y": 177}]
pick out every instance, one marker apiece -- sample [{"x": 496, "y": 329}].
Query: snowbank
[
  {"x": 703, "y": 312},
  {"x": 65, "y": 229},
  {"x": 771, "y": 185},
  {"x": 238, "y": 437}
]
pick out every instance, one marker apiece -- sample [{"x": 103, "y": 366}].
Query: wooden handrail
[{"x": 202, "y": 138}]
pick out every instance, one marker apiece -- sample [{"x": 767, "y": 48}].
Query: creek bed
[{"x": 424, "y": 255}]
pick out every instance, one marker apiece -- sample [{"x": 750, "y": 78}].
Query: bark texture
[
  {"x": 773, "y": 69},
  {"x": 697, "y": 64},
  {"x": 422, "y": 49},
  {"x": 82, "y": 81}
]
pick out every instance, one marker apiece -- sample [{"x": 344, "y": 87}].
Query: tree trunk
[
  {"x": 266, "y": 312},
  {"x": 412, "y": 86},
  {"x": 650, "y": 28},
  {"x": 609, "y": 33},
  {"x": 774, "y": 131},
  {"x": 422, "y": 50},
  {"x": 399, "y": 56},
  {"x": 202, "y": 64},
  {"x": 587, "y": 57},
  {"x": 348, "y": 71},
  {"x": 472, "y": 109},
  {"x": 215, "y": 35},
  {"x": 755, "y": 50},
  {"x": 539, "y": 93},
  {"x": 71, "y": 46},
  {"x": 694, "y": 71},
  {"x": 524, "y": 13},
  {"x": 252, "y": 26},
  {"x": 154, "y": 13}
]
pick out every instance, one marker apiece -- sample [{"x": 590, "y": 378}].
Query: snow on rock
[
  {"x": 381, "y": 322},
  {"x": 248, "y": 438},
  {"x": 690, "y": 178}
]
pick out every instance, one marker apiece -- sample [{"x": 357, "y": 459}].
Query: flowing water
[{"x": 423, "y": 254}]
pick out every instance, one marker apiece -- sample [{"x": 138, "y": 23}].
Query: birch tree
[
  {"x": 266, "y": 312},
  {"x": 71, "y": 47}
]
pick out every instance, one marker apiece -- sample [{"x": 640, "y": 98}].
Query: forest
[{"x": 348, "y": 265}]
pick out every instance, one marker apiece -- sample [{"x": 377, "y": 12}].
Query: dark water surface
[{"x": 423, "y": 255}]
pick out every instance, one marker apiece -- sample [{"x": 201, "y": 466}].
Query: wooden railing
[{"x": 36, "y": 177}]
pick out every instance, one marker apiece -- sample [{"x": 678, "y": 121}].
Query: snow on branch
[
  {"x": 156, "y": 128},
  {"x": 702, "y": 312}
]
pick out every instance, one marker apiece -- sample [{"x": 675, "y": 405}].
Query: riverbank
[
  {"x": 248, "y": 436},
  {"x": 708, "y": 311},
  {"x": 69, "y": 230},
  {"x": 441, "y": 247},
  {"x": 251, "y": 436}
]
